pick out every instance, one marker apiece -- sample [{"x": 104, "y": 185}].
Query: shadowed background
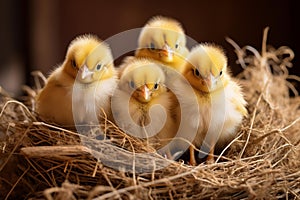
[{"x": 35, "y": 33}]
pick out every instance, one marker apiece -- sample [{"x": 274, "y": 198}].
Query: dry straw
[{"x": 43, "y": 161}]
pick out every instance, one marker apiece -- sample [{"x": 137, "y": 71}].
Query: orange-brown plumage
[
  {"x": 220, "y": 100},
  {"x": 141, "y": 104},
  {"x": 163, "y": 39},
  {"x": 78, "y": 89}
]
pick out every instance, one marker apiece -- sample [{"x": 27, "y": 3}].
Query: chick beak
[
  {"x": 84, "y": 72},
  {"x": 207, "y": 81},
  {"x": 145, "y": 93},
  {"x": 167, "y": 52},
  {"x": 210, "y": 81}
]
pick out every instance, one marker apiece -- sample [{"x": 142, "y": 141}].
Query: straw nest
[{"x": 43, "y": 161}]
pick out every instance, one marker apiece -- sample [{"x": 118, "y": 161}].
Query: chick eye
[
  {"x": 131, "y": 84},
  {"x": 196, "y": 72},
  {"x": 73, "y": 63},
  {"x": 221, "y": 72},
  {"x": 98, "y": 67},
  {"x": 152, "y": 46},
  {"x": 156, "y": 85},
  {"x": 176, "y": 46}
]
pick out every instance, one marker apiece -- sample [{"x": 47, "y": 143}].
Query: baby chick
[
  {"x": 141, "y": 104},
  {"x": 163, "y": 40},
  {"x": 81, "y": 87},
  {"x": 220, "y": 100}
]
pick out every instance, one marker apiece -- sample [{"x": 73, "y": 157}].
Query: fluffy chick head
[
  {"x": 162, "y": 38},
  {"x": 89, "y": 59},
  {"x": 143, "y": 79},
  {"x": 206, "y": 68}
]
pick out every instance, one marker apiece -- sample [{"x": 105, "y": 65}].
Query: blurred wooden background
[{"x": 35, "y": 33}]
